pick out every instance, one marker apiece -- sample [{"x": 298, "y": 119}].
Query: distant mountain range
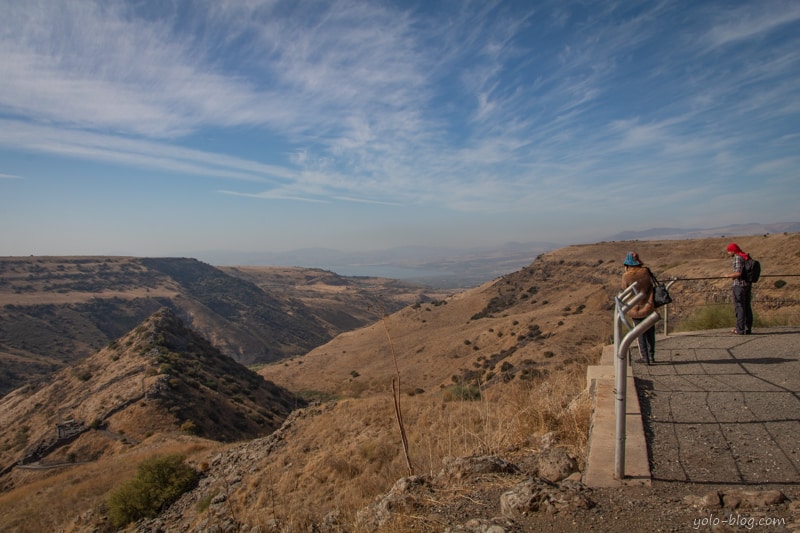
[
  {"x": 704, "y": 233},
  {"x": 458, "y": 267}
]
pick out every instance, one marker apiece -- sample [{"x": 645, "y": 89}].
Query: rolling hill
[
  {"x": 54, "y": 311},
  {"x": 550, "y": 314},
  {"x": 159, "y": 378},
  {"x": 495, "y": 371}
]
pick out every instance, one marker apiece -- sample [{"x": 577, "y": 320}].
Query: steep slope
[
  {"x": 57, "y": 310},
  {"x": 255, "y": 325},
  {"x": 545, "y": 316},
  {"x": 161, "y": 377},
  {"x": 555, "y": 312}
]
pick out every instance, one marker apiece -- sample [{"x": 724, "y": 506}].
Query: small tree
[{"x": 158, "y": 483}]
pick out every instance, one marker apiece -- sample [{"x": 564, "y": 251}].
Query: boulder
[
  {"x": 539, "y": 495},
  {"x": 555, "y": 464},
  {"x": 736, "y": 499},
  {"x": 463, "y": 467}
]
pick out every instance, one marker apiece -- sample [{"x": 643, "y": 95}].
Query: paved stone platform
[
  {"x": 724, "y": 409},
  {"x": 716, "y": 408}
]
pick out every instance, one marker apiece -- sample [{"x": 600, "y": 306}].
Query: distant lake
[{"x": 386, "y": 271}]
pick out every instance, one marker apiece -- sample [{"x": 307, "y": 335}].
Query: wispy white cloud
[
  {"x": 27, "y": 137},
  {"x": 366, "y": 201},
  {"x": 750, "y": 20},
  {"x": 275, "y": 195},
  {"x": 470, "y": 105},
  {"x": 782, "y": 167}
]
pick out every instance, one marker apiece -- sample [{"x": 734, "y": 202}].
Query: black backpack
[{"x": 752, "y": 270}]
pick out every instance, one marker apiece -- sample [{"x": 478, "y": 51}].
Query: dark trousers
[
  {"x": 742, "y": 297},
  {"x": 647, "y": 342}
]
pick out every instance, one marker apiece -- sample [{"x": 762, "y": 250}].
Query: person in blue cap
[{"x": 635, "y": 271}]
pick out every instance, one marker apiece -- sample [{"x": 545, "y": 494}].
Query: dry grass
[
  {"x": 501, "y": 420},
  {"x": 47, "y": 500},
  {"x": 352, "y": 451}
]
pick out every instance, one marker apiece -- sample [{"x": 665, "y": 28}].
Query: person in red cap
[{"x": 742, "y": 294}]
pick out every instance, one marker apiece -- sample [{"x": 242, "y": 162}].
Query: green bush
[
  {"x": 158, "y": 483},
  {"x": 190, "y": 427}
]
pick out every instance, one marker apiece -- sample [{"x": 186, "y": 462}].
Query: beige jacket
[{"x": 641, "y": 275}]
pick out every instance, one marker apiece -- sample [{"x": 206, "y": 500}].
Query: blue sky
[{"x": 157, "y": 127}]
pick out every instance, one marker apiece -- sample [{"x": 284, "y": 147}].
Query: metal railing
[
  {"x": 623, "y": 303},
  {"x": 669, "y": 282}
]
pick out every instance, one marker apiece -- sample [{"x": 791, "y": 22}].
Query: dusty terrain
[
  {"x": 480, "y": 337},
  {"x": 521, "y": 341},
  {"x": 553, "y": 313}
]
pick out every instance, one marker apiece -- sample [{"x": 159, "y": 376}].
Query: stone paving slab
[
  {"x": 717, "y": 409},
  {"x": 724, "y": 409}
]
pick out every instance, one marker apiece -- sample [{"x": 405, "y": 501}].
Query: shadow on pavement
[{"x": 732, "y": 420}]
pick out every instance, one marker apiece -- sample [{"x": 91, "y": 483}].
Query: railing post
[
  {"x": 623, "y": 302},
  {"x": 666, "y": 310},
  {"x": 621, "y": 386}
]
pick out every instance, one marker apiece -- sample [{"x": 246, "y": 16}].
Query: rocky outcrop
[
  {"x": 161, "y": 367},
  {"x": 456, "y": 468},
  {"x": 533, "y": 494},
  {"x": 539, "y": 495}
]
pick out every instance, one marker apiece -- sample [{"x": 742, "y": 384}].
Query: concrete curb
[{"x": 599, "y": 470}]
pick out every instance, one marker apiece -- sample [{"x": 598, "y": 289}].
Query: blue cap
[{"x": 632, "y": 260}]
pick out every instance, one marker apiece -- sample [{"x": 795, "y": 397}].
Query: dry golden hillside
[
  {"x": 497, "y": 370},
  {"x": 161, "y": 378},
  {"x": 522, "y": 342},
  {"x": 554, "y": 313},
  {"x": 54, "y": 311}
]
